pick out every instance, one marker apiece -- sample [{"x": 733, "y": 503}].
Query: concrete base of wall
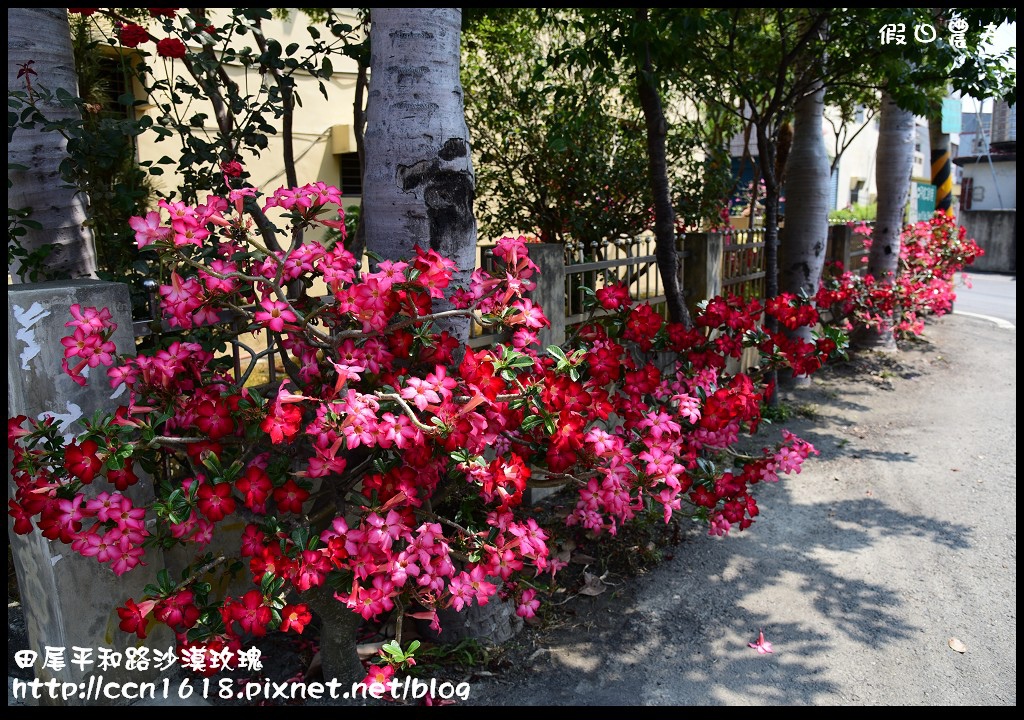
[{"x": 995, "y": 231}]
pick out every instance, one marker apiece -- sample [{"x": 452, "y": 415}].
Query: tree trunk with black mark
[
  {"x": 805, "y": 236},
  {"x": 419, "y": 185}
]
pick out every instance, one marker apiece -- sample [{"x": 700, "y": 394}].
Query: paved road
[{"x": 987, "y": 294}]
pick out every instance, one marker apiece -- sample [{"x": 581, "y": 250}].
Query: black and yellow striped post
[{"x": 942, "y": 169}]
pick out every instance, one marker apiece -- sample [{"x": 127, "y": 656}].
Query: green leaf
[
  {"x": 550, "y": 425},
  {"x": 557, "y": 353},
  {"x": 531, "y": 421}
]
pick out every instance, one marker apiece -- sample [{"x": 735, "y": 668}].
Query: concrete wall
[
  {"x": 995, "y": 231},
  {"x": 69, "y": 600},
  {"x": 995, "y": 183}
]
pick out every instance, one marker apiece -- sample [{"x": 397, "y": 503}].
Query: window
[
  {"x": 351, "y": 177},
  {"x": 967, "y": 194},
  {"x": 103, "y": 81},
  {"x": 855, "y": 187}
]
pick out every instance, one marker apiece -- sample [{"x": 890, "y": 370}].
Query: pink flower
[
  {"x": 90, "y": 319},
  {"x": 528, "y": 604},
  {"x": 379, "y": 675},
  {"x": 275, "y": 314},
  {"x": 762, "y": 646}
]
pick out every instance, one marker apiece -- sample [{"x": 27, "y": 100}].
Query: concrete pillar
[
  {"x": 550, "y": 290},
  {"x": 69, "y": 601},
  {"x": 702, "y": 270}
]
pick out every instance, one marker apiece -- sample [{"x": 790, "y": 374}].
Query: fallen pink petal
[{"x": 762, "y": 646}]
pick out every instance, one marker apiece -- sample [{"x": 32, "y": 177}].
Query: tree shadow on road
[{"x": 678, "y": 636}]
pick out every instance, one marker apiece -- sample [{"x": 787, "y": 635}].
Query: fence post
[
  {"x": 840, "y": 244},
  {"x": 68, "y": 600},
  {"x": 550, "y": 295},
  {"x": 550, "y": 290},
  {"x": 703, "y": 267}
]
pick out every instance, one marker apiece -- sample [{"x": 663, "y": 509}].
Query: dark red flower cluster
[
  {"x": 132, "y": 35},
  {"x": 171, "y": 48}
]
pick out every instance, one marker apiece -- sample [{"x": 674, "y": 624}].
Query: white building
[{"x": 856, "y": 144}]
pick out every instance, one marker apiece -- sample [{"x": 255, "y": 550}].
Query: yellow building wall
[{"x": 312, "y": 121}]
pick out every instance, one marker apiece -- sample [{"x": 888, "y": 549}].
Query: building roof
[{"x": 995, "y": 157}]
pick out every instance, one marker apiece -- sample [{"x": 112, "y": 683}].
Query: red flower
[
  {"x": 295, "y": 617},
  {"x": 179, "y": 609},
  {"x": 289, "y": 497},
  {"x": 83, "y": 460},
  {"x": 132, "y": 35},
  {"x": 22, "y": 519},
  {"x": 642, "y": 325},
  {"x": 213, "y": 418},
  {"x": 282, "y": 422},
  {"x": 133, "y": 617},
  {"x": 231, "y": 169},
  {"x": 124, "y": 478},
  {"x": 164, "y": 12},
  {"x": 255, "y": 487},
  {"x": 252, "y": 614},
  {"x": 170, "y": 47},
  {"x": 215, "y": 501},
  {"x": 85, "y": 12},
  {"x": 613, "y": 297}
]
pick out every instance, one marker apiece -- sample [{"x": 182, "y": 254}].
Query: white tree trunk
[
  {"x": 894, "y": 164},
  {"x": 805, "y": 236},
  {"x": 43, "y": 35},
  {"x": 807, "y": 187},
  {"x": 419, "y": 184}
]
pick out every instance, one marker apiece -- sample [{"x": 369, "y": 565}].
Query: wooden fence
[{"x": 732, "y": 262}]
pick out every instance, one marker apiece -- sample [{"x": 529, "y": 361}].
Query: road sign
[{"x": 922, "y": 201}]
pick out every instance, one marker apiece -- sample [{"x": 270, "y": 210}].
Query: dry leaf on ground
[{"x": 592, "y": 585}]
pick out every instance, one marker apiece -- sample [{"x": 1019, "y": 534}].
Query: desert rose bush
[
  {"x": 932, "y": 252},
  {"x": 388, "y": 466}
]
